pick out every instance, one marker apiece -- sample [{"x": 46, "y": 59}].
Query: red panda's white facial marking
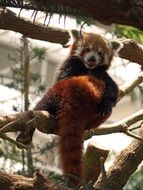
[{"x": 92, "y": 57}]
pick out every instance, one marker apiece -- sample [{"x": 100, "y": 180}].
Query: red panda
[{"x": 82, "y": 97}]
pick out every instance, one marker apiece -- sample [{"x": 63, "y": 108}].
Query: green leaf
[
  {"x": 129, "y": 32},
  {"x": 39, "y": 53}
]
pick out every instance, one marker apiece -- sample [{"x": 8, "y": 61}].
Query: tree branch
[
  {"x": 92, "y": 161},
  {"x": 131, "y": 51},
  {"x": 38, "y": 182},
  {"x": 9, "y": 21},
  {"x": 40, "y": 118},
  {"x": 119, "y": 127},
  {"x": 125, "y": 165},
  {"x": 47, "y": 124},
  {"x": 130, "y": 85},
  {"x": 123, "y": 12},
  {"x": 24, "y": 122}
]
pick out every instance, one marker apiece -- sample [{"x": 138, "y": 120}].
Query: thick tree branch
[
  {"x": 118, "y": 11},
  {"x": 38, "y": 182},
  {"x": 28, "y": 117},
  {"x": 131, "y": 51},
  {"x": 122, "y": 12},
  {"x": 24, "y": 122},
  {"x": 92, "y": 159},
  {"x": 46, "y": 124},
  {"x": 20, "y": 121},
  {"x": 125, "y": 165},
  {"x": 9, "y": 21}
]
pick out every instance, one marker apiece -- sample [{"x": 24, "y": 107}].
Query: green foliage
[
  {"x": 135, "y": 182},
  {"x": 39, "y": 53},
  {"x": 129, "y": 32},
  {"x": 9, "y": 151},
  {"x": 17, "y": 71}
]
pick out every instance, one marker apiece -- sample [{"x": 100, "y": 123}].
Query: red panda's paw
[{"x": 105, "y": 107}]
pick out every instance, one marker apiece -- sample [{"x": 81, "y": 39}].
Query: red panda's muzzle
[{"x": 91, "y": 63}]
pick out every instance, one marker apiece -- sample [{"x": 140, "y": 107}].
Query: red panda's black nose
[{"x": 92, "y": 59}]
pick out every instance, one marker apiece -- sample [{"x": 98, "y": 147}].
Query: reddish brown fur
[
  {"x": 75, "y": 116},
  {"x": 81, "y": 99}
]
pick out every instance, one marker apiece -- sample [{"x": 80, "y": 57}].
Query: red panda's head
[{"x": 93, "y": 49}]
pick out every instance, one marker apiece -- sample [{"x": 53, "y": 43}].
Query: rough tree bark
[
  {"x": 108, "y": 12},
  {"x": 112, "y": 11},
  {"x": 125, "y": 165},
  {"x": 18, "y": 182},
  {"x": 9, "y": 21}
]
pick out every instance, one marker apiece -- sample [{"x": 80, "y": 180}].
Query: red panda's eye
[
  {"x": 100, "y": 53},
  {"x": 87, "y": 49}
]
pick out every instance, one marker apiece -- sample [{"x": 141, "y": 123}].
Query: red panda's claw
[{"x": 104, "y": 108}]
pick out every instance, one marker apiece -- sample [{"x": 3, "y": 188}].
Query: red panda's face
[
  {"x": 93, "y": 57},
  {"x": 94, "y": 50}
]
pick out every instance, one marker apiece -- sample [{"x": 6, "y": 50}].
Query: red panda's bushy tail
[{"x": 71, "y": 144}]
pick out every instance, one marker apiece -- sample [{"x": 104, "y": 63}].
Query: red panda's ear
[
  {"x": 74, "y": 36},
  {"x": 116, "y": 46}
]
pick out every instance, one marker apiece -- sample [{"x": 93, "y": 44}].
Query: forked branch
[{"x": 125, "y": 165}]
